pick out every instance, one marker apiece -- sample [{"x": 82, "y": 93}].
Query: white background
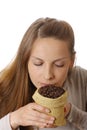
[{"x": 17, "y": 15}]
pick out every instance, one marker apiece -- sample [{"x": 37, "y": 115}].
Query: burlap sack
[{"x": 55, "y": 105}]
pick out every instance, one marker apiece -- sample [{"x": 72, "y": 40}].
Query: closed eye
[
  {"x": 59, "y": 65},
  {"x": 37, "y": 64}
]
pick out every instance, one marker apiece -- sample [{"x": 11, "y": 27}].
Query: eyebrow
[
  {"x": 63, "y": 58},
  {"x": 34, "y": 57}
]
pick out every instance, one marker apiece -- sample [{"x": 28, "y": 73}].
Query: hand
[
  {"x": 31, "y": 114},
  {"x": 67, "y": 109}
]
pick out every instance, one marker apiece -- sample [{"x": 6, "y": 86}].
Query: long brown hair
[{"x": 16, "y": 89}]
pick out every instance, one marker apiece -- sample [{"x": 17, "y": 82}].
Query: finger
[
  {"x": 36, "y": 123},
  {"x": 39, "y": 108},
  {"x": 43, "y": 119}
]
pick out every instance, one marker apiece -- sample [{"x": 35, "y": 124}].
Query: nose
[{"x": 48, "y": 72}]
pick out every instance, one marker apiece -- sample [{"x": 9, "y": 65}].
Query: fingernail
[
  {"x": 47, "y": 110},
  {"x": 52, "y": 118},
  {"x": 51, "y": 121}
]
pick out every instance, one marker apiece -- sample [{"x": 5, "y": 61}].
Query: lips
[{"x": 45, "y": 84}]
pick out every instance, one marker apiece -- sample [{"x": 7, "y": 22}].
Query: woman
[{"x": 45, "y": 57}]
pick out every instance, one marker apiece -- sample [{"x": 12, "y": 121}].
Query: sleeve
[
  {"x": 78, "y": 117},
  {"x": 5, "y": 124}
]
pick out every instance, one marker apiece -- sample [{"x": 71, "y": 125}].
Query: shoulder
[
  {"x": 77, "y": 70},
  {"x": 79, "y": 74}
]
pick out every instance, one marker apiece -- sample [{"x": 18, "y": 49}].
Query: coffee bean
[{"x": 51, "y": 91}]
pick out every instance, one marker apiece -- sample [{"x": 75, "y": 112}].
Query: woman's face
[{"x": 49, "y": 62}]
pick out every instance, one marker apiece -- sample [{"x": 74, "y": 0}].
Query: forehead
[{"x": 49, "y": 46}]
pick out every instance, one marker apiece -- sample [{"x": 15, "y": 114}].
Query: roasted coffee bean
[{"x": 51, "y": 91}]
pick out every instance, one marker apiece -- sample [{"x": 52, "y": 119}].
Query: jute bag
[{"x": 55, "y": 105}]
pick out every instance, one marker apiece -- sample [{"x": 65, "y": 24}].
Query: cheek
[
  {"x": 31, "y": 72},
  {"x": 62, "y": 75},
  {"x": 34, "y": 74}
]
